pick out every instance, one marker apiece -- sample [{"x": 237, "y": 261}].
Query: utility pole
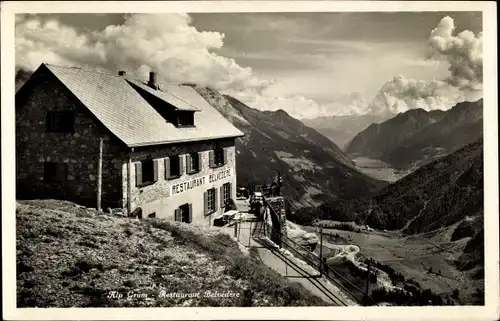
[
  {"x": 99, "y": 176},
  {"x": 321, "y": 251},
  {"x": 368, "y": 278},
  {"x": 250, "y": 234}
]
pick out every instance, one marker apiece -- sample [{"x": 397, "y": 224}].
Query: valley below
[
  {"x": 379, "y": 169},
  {"x": 423, "y": 259}
]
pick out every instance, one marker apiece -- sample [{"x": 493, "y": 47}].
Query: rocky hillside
[
  {"x": 314, "y": 169},
  {"x": 379, "y": 139},
  {"x": 434, "y": 196},
  {"x": 341, "y": 129},
  {"x": 69, "y": 256},
  {"x": 461, "y": 125},
  {"x": 446, "y": 193}
]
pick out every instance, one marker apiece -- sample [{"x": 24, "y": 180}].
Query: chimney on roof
[
  {"x": 152, "y": 80},
  {"x": 122, "y": 73}
]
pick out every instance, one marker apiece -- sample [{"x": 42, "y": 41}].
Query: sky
[{"x": 308, "y": 64}]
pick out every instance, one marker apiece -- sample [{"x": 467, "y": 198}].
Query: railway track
[{"x": 303, "y": 273}]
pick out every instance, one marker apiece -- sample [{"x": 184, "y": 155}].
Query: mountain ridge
[
  {"x": 314, "y": 168},
  {"x": 415, "y": 137}
]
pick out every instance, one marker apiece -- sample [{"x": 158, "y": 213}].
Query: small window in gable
[
  {"x": 185, "y": 118},
  {"x": 60, "y": 121}
]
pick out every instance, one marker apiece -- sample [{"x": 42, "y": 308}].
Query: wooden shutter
[
  {"x": 167, "y": 168},
  {"x": 189, "y": 162},
  {"x": 211, "y": 158},
  {"x": 190, "y": 213},
  {"x": 230, "y": 194},
  {"x": 181, "y": 165},
  {"x": 225, "y": 155},
  {"x": 178, "y": 215},
  {"x": 200, "y": 163},
  {"x": 215, "y": 199},
  {"x": 221, "y": 196},
  {"x": 155, "y": 170},
  {"x": 205, "y": 203},
  {"x": 138, "y": 174}
]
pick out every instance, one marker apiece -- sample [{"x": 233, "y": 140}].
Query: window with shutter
[
  {"x": 146, "y": 172},
  {"x": 175, "y": 165},
  {"x": 60, "y": 122},
  {"x": 218, "y": 157},
  {"x": 184, "y": 213},
  {"x": 49, "y": 171},
  {"x": 225, "y": 193},
  {"x": 222, "y": 200},
  {"x": 178, "y": 215},
  {"x": 193, "y": 163},
  {"x": 210, "y": 201},
  {"x": 55, "y": 172}
]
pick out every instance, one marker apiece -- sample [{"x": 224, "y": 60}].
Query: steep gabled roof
[{"x": 127, "y": 115}]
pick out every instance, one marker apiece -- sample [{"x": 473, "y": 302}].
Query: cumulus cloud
[
  {"x": 401, "y": 94},
  {"x": 166, "y": 43},
  {"x": 171, "y": 46},
  {"x": 462, "y": 52}
]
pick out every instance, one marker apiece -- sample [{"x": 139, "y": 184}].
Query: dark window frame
[
  {"x": 49, "y": 171},
  {"x": 218, "y": 157},
  {"x": 211, "y": 201},
  {"x": 60, "y": 122},
  {"x": 194, "y": 163},
  {"x": 147, "y": 171},
  {"x": 174, "y": 160},
  {"x": 226, "y": 192},
  {"x": 184, "y": 118},
  {"x": 184, "y": 213},
  {"x": 58, "y": 172}
]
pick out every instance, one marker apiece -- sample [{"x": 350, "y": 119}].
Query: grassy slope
[{"x": 68, "y": 256}]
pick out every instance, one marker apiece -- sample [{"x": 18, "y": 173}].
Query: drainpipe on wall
[
  {"x": 99, "y": 176},
  {"x": 129, "y": 182}
]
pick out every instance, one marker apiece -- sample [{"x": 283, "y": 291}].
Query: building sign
[{"x": 207, "y": 179}]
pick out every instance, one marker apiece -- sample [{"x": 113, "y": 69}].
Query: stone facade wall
[
  {"x": 278, "y": 205},
  {"x": 78, "y": 150},
  {"x": 157, "y": 197}
]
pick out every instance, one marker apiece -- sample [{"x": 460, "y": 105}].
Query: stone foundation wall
[{"x": 78, "y": 150}]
